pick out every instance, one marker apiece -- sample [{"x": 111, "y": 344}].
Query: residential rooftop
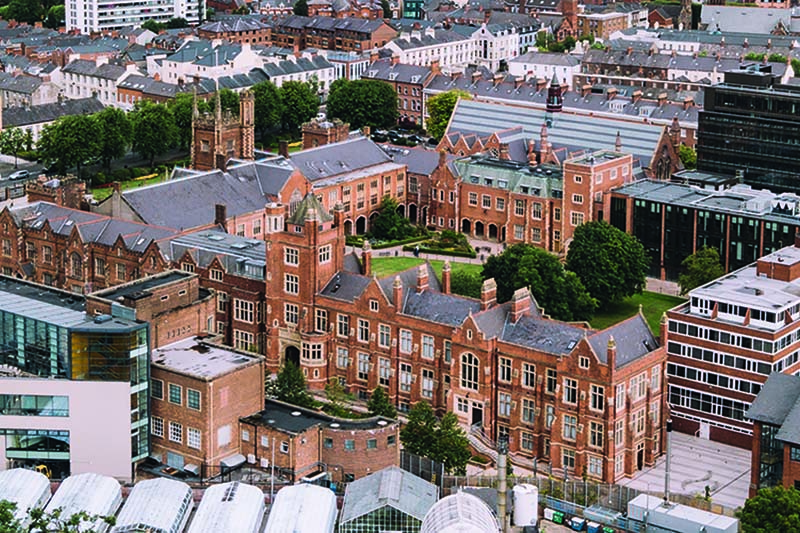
[
  {"x": 199, "y": 359},
  {"x": 292, "y": 419}
]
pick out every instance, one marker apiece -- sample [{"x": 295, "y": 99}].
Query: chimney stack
[
  {"x": 366, "y": 258},
  {"x": 283, "y": 148},
  {"x": 220, "y": 214},
  {"x": 488, "y": 294},
  {"x": 446, "y": 278},
  {"x": 520, "y": 303},
  {"x": 611, "y": 353},
  {"x": 422, "y": 277},
  {"x": 397, "y": 293}
]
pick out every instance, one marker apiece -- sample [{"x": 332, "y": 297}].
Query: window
[
  {"x": 462, "y": 406},
  {"x": 638, "y": 422},
  {"x": 620, "y": 400},
  {"x": 528, "y": 411},
  {"x": 391, "y": 440},
  {"x": 193, "y": 439},
  {"x": 469, "y": 371},
  {"x": 372, "y": 444},
  {"x": 557, "y": 214},
  {"x": 556, "y": 235},
  {"x": 349, "y": 444},
  {"x": 363, "y": 330},
  {"x": 325, "y": 254},
  {"x": 312, "y": 351},
  {"x": 257, "y": 227},
  {"x": 157, "y": 389},
  {"x": 473, "y": 200},
  {"x": 291, "y": 256},
  {"x": 328, "y": 442},
  {"x": 175, "y": 394},
  {"x": 384, "y": 371},
  {"x": 528, "y": 375},
  {"x": 99, "y": 262},
  {"x": 577, "y": 198},
  {"x": 504, "y": 369},
  {"x": 193, "y": 399},
  {"x": 596, "y": 434},
  {"x": 157, "y": 426},
  {"x": 619, "y": 463},
  {"x": 363, "y": 366},
  {"x": 526, "y": 441},
  {"x": 486, "y": 201},
  {"x": 405, "y": 341},
  {"x": 373, "y": 306},
  {"x": 222, "y": 302},
  {"x": 47, "y": 254},
  {"x": 284, "y": 447},
  {"x": 570, "y": 429},
  {"x": 619, "y": 432},
  {"x": 405, "y": 377},
  {"x": 243, "y": 340},
  {"x": 536, "y": 234},
  {"x": 215, "y": 274},
  {"x": 384, "y": 335},
  {"x": 243, "y": 310},
  {"x": 552, "y": 381},
  {"x": 583, "y": 362},
  {"x": 504, "y": 404},
  {"x": 794, "y": 453},
  {"x": 638, "y": 387},
  {"x": 570, "y": 390},
  {"x": 290, "y": 313},
  {"x": 448, "y": 351},
  {"x": 595, "y": 466},
  {"x": 427, "y": 347},
  {"x": 7, "y": 247},
  {"x": 321, "y": 320},
  {"x": 519, "y": 208},
  {"x": 500, "y": 204},
  {"x": 519, "y": 232},
  {"x": 568, "y": 458},
  {"x": 291, "y": 284},
  {"x": 655, "y": 411},
  {"x": 578, "y": 179},
  {"x": 186, "y": 267},
  {"x": 427, "y": 383},
  {"x": 536, "y": 211},
  {"x": 342, "y": 325},
  {"x": 597, "y": 400},
  {"x": 550, "y": 416},
  {"x": 655, "y": 378},
  {"x": 576, "y": 218},
  {"x": 176, "y": 432},
  {"x": 342, "y": 358}
]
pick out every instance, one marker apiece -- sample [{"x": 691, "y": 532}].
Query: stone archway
[
  {"x": 412, "y": 213},
  {"x": 348, "y": 227},
  {"x": 492, "y": 232},
  {"x": 466, "y": 227},
  {"x": 361, "y": 225},
  {"x": 292, "y": 353},
  {"x": 479, "y": 229}
]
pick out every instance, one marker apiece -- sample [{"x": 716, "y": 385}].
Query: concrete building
[
  {"x": 98, "y": 79},
  {"x": 421, "y": 48},
  {"x": 88, "y": 16},
  {"x": 544, "y": 65}
]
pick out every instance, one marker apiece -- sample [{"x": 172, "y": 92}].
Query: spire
[{"x": 554, "y": 82}]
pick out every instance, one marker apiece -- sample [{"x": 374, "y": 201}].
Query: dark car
[
  {"x": 19, "y": 175},
  {"x": 393, "y": 135},
  {"x": 415, "y": 138}
]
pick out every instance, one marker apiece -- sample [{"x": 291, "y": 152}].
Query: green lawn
[
  {"x": 386, "y": 266},
  {"x": 102, "y": 193},
  {"x": 653, "y": 306}
]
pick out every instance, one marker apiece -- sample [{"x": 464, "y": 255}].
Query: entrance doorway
[
  {"x": 477, "y": 414},
  {"x": 640, "y": 456},
  {"x": 292, "y": 353}
]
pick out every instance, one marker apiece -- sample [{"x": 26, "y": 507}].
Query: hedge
[
  {"x": 358, "y": 240},
  {"x": 454, "y": 253}
]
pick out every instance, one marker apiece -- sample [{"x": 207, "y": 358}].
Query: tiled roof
[
  {"x": 43, "y": 113},
  {"x": 777, "y": 405},
  {"x": 340, "y": 158},
  {"x": 632, "y": 336}
]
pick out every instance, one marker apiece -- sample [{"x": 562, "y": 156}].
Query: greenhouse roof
[
  {"x": 94, "y": 494},
  {"x": 393, "y": 487},
  {"x": 26, "y": 488},
  {"x": 156, "y": 506},
  {"x": 303, "y": 509},
  {"x": 230, "y": 506}
]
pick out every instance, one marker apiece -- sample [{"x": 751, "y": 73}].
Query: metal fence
[{"x": 428, "y": 469}]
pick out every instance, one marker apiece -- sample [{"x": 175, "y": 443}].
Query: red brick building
[
  {"x": 302, "y": 443},
  {"x": 409, "y": 82},
  {"x": 220, "y": 137},
  {"x": 327, "y": 33},
  {"x": 236, "y": 30}
]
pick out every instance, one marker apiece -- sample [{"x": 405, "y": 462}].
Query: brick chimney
[
  {"x": 283, "y": 148},
  {"x": 422, "y": 278},
  {"x": 503, "y": 153},
  {"x": 488, "y": 294},
  {"x": 373, "y": 55},
  {"x": 435, "y": 69},
  {"x": 446, "y": 278},
  {"x": 520, "y": 303},
  {"x": 586, "y": 90},
  {"x": 366, "y": 258},
  {"x": 220, "y": 214},
  {"x": 442, "y": 158},
  {"x": 397, "y": 293},
  {"x": 611, "y": 352},
  {"x": 662, "y": 99},
  {"x": 611, "y": 92}
]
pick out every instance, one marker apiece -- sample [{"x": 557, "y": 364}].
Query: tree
[
  {"x": 56, "y": 16},
  {"x": 115, "y": 134},
  {"x": 466, "y": 283},
  {"x": 336, "y": 395},
  {"x": 30, "y": 11},
  {"x": 48, "y": 522},
  {"x": 380, "y": 405},
  {"x": 153, "y": 26},
  {"x": 300, "y": 104},
  {"x": 70, "y": 141},
  {"x": 440, "y": 440},
  {"x": 290, "y": 386},
  {"x": 440, "y": 108},
  {"x": 181, "y": 107},
  {"x": 560, "y": 292},
  {"x": 688, "y": 156},
  {"x": 611, "y": 264},
  {"x": 363, "y": 103},
  {"x": 176, "y": 23},
  {"x": 230, "y": 101},
  {"x": 699, "y": 268},
  {"x": 387, "y": 9},
  {"x": 154, "y": 130},
  {"x": 300, "y": 8},
  {"x": 389, "y": 225},
  {"x": 12, "y": 141},
  {"x": 772, "y": 509},
  {"x": 267, "y": 107},
  {"x": 8, "y": 520}
]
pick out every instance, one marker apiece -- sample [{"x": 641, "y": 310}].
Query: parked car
[{"x": 19, "y": 175}]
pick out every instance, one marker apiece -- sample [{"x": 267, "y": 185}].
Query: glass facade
[
  {"x": 384, "y": 519},
  {"x": 33, "y": 405},
  {"x": 647, "y": 228},
  {"x": 771, "y": 461},
  {"x": 35, "y": 346}
]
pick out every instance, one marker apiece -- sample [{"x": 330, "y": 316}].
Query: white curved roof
[
  {"x": 157, "y": 506},
  {"x": 303, "y": 509},
  {"x": 229, "y": 508},
  {"x": 460, "y": 513},
  {"x": 94, "y": 494},
  {"x": 26, "y": 488}
]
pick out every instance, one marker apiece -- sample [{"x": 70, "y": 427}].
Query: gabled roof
[
  {"x": 339, "y": 158},
  {"x": 548, "y": 336},
  {"x": 778, "y": 404},
  {"x": 632, "y": 336},
  {"x": 390, "y": 487},
  {"x": 347, "y": 286},
  {"x": 43, "y": 113},
  {"x": 408, "y": 278},
  {"x": 438, "y": 307},
  {"x": 309, "y": 208}
]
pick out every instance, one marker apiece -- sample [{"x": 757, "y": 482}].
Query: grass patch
[
  {"x": 653, "y": 306},
  {"x": 101, "y": 193},
  {"x": 386, "y": 266}
]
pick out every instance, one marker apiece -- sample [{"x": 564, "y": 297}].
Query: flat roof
[
  {"x": 141, "y": 287},
  {"x": 292, "y": 419},
  {"x": 746, "y": 287},
  {"x": 199, "y": 359}
]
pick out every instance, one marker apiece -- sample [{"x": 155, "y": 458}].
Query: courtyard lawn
[
  {"x": 653, "y": 306},
  {"x": 386, "y": 266},
  {"x": 101, "y": 193}
]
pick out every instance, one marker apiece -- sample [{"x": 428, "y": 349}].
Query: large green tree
[
  {"x": 182, "y": 107},
  {"x": 229, "y": 99},
  {"x": 70, "y": 141},
  {"x": 12, "y": 141},
  {"x": 389, "y": 225},
  {"x": 440, "y": 440},
  {"x": 49, "y": 522},
  {"x": 300, "y": 104},
  {"x": 154, "y": 130},
  {"x": 387, "y": 9},
  {"x": 611, "y": 264},
  {"x": 290, "y": 386},
  {"x": 771, "y": 510},
  {"x": 688, "y": 156},
  {"x": 699, "y": 268},
  {"x": 30, "y": 11},
  {"x": 558, "y": 291},
  {"x": 380, "y": 405},
  {"x": 362, "y": 103},
  {"x": 300, "y": 7},
  {"x": 466, "y": 283},
  {"x": 56, "y": 17},
  {"x": 268, "y": 107},
  {"x": 116, "y": 134},
  {"x": 440, "y": 108}
]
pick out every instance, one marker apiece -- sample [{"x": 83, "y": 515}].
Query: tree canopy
[
  {"x": 380, "y": 405},
  {"x": 363, "y": 103},
  {"x": 611, "y": 264},
  {"x": 300, "y": 8},
  {"x": 466, "y": 283},
  {"x": 300, "y": 104},
  {"x": 560, "y": 292},
  {"x": 772, "y": 509},
  {"x": 268, "y": 107},
  {"x": 699, "y": 268},
  {"x": 12, "y": 141},
  {"x": 440, "y": 108},
  {"x": 154, "y": 130},
  {"x": 70, "y": 141},
  {"x": 389, "y": 225},
  {"x": 440, "y": 440},
  {"x": 116, "y": 134},
  {"x": 387, "y": 9},
  {"x": 290, "y": 387},
  {"x": 52, "y": 522},
  {"x": 688, "y": 156}
]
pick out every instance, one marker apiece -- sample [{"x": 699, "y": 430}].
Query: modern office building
[
  {"x": 89, "y": 16},
  {"x": 751, "y": 123},
  {"x": 74, "y": 387}
]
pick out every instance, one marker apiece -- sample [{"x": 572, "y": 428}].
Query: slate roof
[
  {"x": 747, "y": 19},
  {"x": 410, "y": 41},
  {"x": 235, "y": 25},
  {"x": 239, "y": 255},
  {"x": 547, "y": 58},
  {"x": 43, "y": 113},
  {"x": 633, "y": 337},
  {"x": 390, "y": 487},
  {"x": 331, "y": 160},
  {"x": 438, "y": 307},
  {"x": 346, "y": 286},
  {"x": 408, "y": 278},
  {"x": 418, "y": 160},
  {"x": 383, "y": 69},
  {"x": 85, "y": 67},
  {"x": 778, "y": 404},
  {"x": 351, "y": 24},
  {"x": 19, "y": 84},
  {"x": 309, "y": 208},
  {"x": 547, "y": 336}
]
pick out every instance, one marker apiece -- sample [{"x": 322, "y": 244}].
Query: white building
[
  {"x": 542, "y": 65},
  {"x": 84, "y": 79},
  {"x": 502, "y": 42},
  {"x": 204, "y": 59},
  {"x": 89, "y": 16},
  {"x": 422, "y": 48}
]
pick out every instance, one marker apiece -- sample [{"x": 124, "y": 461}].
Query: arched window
[
  {"x": 469, "y": 371},
  {"x": 76, "y": 265}
]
